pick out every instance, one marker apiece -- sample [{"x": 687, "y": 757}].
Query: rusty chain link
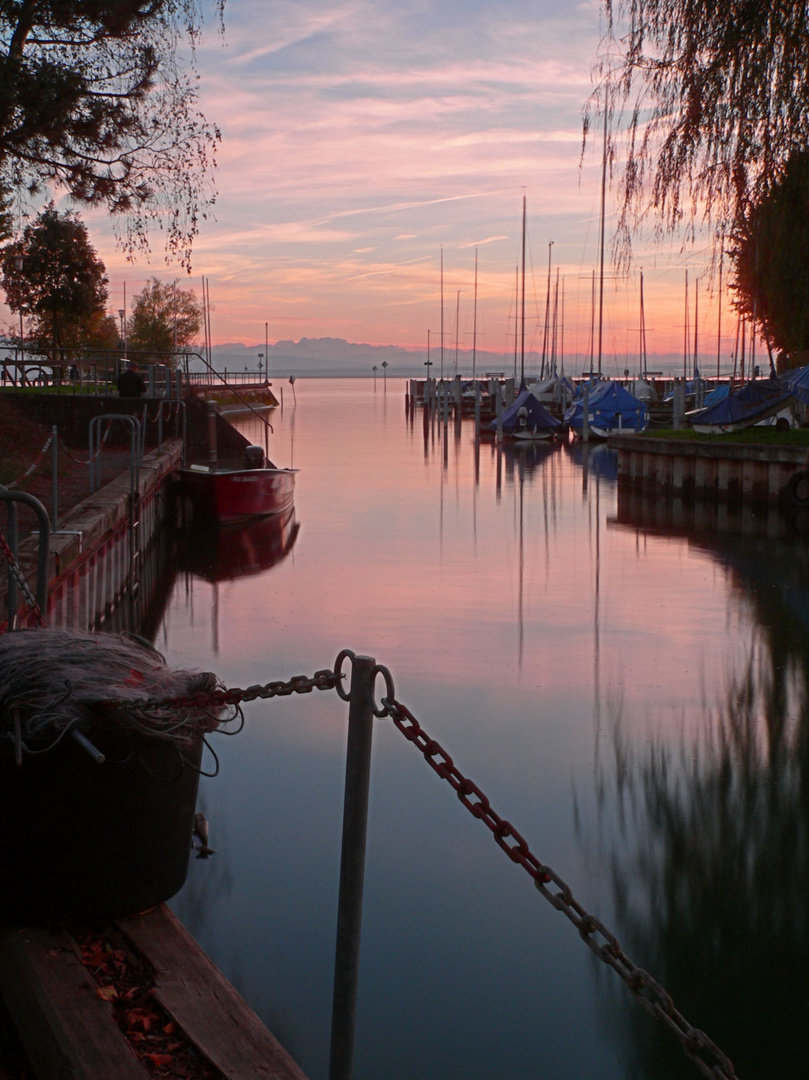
[
  {"x": 698, "y": 1047},
  {"x": 19, "y": 577},
  {"x": 702, "y": 1051},
  {"x": 34, "y": 465},
  {"x": 298, "y": 684},
  {"x": 88, "y": 460}
]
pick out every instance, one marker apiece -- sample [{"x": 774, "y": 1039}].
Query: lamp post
[
  {"x": 122, "y": 317},
  {"x": 19, "y": 262}
]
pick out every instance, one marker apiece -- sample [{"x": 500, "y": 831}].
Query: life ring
[{"x": 798, "y": 488}]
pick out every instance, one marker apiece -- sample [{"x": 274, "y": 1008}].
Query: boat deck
[{"x": 72, "y": 1025}]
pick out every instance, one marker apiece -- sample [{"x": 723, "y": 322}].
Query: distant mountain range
[{"x": 336, "y": 358}]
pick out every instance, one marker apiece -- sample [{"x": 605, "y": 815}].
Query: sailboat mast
[
  {"x": 442, "y": 314},
  {"x": 475, "y": 318},
  {"x": 457, "y": 315},
  {"x": 603, "y": 214},
  {"x": 685, "y": 331},
  {"x": 719, "y": 320},
  {"x": 516, "y": 314},
  {"x": 522, "y": 301},
  {"x": 547, "y": 315},
  {"x": 642, "y": 331},
  {"x": 696, "y": 326}
]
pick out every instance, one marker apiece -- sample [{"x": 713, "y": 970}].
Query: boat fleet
[{"x": 597, "y": 408}]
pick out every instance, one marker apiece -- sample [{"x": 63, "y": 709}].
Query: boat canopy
[
  {"x": 526, "y": 413},
  {"x": 755, "y": 401},
  {"x": 610, "y": 408},
  {"x": 798, "y": 382}
]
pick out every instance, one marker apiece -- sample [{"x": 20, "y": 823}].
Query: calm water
[{"x": 633, "y": 698}]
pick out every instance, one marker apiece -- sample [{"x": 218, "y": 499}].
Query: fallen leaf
[{"x": 107, "y": 993}]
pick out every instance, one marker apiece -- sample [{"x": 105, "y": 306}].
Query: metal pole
[
  {"x": 55, "y": 478},
  {"x": 352, "y": 868}
]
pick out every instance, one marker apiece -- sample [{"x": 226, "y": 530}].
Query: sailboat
[{"x": 526, "y": 420}]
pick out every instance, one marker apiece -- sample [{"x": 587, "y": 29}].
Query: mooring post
[{"x": 352, "y": 868}]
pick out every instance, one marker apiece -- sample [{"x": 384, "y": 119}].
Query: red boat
[{"x": 218, "y": 492}]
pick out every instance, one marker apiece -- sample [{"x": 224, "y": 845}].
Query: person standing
[{"x": 130, "y": 382}]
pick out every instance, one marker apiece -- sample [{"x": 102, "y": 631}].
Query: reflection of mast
[
  {"x": 521, "y": 578},
  {"x": 215, "y": 619}
]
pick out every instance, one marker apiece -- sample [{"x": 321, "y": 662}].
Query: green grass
[{"x": 755, "y": 436}]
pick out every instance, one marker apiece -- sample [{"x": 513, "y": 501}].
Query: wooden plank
[
  {"x": 203, "y": 1003},
  {"x": 66, "y": 1030}
]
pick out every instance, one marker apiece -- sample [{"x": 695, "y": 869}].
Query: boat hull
[{"x": 230, "y": 495}]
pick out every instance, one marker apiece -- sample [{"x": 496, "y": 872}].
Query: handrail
[
  {"x": 134, "y": 451},
  {"x": 233, "y": 390}
]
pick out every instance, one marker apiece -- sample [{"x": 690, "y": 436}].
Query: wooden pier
[{"x": 70, "y": 1025}]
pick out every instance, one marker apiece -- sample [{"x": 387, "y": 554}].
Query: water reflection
[
  {"x": 223, "y": 553},
  {"x": 708, "y": 838},
  {"x": 516, "y": 624}
]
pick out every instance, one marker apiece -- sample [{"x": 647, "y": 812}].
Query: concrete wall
[
  {"x": 104, "y": 551},
  {"x": 732, "y": 472}
]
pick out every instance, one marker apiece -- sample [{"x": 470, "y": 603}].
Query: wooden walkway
[{"x": 69, "y": 1028}]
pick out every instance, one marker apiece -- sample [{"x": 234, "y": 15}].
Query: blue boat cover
[
  {"x": 535, "y": 417},
  {"x": 719, "y": 393},
  {"x": 611, "y": 408},
  {"x": 755, "y": 401},
  {"x": 798, "y": 382}
]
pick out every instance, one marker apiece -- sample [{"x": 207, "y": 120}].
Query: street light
[{"x": 19, "y": 262}]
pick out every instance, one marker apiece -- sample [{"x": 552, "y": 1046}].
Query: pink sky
[{"x": 362, "y": 137}]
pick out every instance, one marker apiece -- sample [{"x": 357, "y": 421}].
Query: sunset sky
[{"x": 362, "y": 137}]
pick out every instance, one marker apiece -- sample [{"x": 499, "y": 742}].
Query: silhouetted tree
[
  {"x": 771, "y": 257},
  {"x": 164, "y": 320},
  {"x": 717, "y": 97},
  {"x": 95, "y": 98},
  {"x": 61, "y": 285}
]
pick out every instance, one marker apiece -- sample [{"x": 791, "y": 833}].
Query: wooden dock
[{"x": 73, "y": 1025}]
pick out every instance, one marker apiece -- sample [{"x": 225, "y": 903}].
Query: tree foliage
[
  {"x": 771, "y": 259},
  {"x": 715, "y": 99},
  {"x": 164, "y": 319},
  {"x": 61, "y": 284},
  {"x": 95, "y": 99}
]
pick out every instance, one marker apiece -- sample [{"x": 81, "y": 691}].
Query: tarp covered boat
[
  {"x": 798, "y": 382},
  {"x": 526, "y": 419},
  {"x": 611, "y": 410},
  {"x": 756, "y": 401}
]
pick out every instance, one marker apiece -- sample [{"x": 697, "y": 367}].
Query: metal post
[
  {"x": 54, "y": 479},
  {"x": 352, "y": 868}
]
